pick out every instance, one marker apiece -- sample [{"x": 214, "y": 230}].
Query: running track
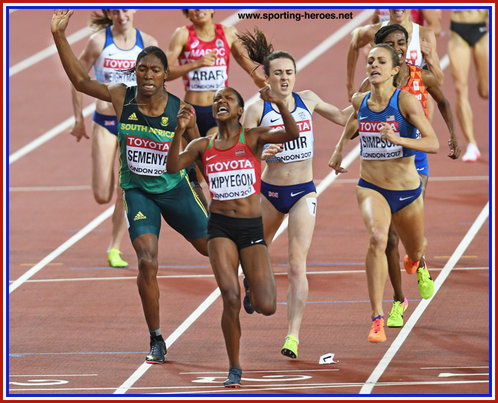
[{"x": 75, "y": 327}]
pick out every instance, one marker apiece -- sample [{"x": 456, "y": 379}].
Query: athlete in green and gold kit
[{"x": 147, "y": 117}]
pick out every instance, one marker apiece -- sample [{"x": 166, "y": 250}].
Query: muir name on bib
[
  {"x": 299, "y": 149},
  {"x": 373, "y": 147}
]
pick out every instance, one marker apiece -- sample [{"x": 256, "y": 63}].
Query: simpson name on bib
[{"x": 373, "y": 147}]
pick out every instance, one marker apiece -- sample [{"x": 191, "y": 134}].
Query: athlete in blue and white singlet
[
  {"x": 389, "y": 190},
  {"x": 287, "y": 183}
]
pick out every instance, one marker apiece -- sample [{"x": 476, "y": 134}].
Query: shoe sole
[
  {"x": 394, "y": 326},
  {"x": 233, "y": 386},
  {"x": 377, "y": 341},
  {"x": 288, "y": 353},
  {"x": 154, "y": 362}
]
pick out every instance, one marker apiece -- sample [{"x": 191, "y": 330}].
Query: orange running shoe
[
  {"x": 377, "y": 333},
  {"x": 410, "y": 266}
]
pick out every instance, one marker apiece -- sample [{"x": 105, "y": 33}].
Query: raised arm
[
  {"x": 193, "y": 153},
  {"x": 428, "y": 47},
  {"x": 75, "y": 71},
  {"x": 361, "y": 37},
  {"x": 240, "y": 55},
  {"x": 259, "y": 136},
  {"x": 87, "y": 59}
]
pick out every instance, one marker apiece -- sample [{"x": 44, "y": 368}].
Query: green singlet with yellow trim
[{"x": 144, "y": 143}]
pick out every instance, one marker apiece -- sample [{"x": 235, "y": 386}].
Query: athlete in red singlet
[
  {"x": 203, "y": 53},
  {"x": 231, "y": 162}
]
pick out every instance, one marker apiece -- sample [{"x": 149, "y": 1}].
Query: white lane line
[
  {"x": 417, "y": 313},
  {"x": 196, "y": 276},
  {"x": 450, "y": 374},
  {"x": 47, "y": 52},
  {"x": 252, "y": 388},
  {"x": 55, "y": 131},
  {"x": 62, "y": 248},
  {"x": 181, "y": 329}
]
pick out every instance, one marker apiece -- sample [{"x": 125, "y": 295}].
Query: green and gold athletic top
[{"x": 144, "y": 143}]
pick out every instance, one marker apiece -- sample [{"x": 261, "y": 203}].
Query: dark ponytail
[{"x": 261, "y": 52}]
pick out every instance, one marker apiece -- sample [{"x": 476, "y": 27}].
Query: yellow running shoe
[
  {"x": 425, "y": 282},
  {"x": 114, "y": 258},
  {"x": 396, "y": 316},
  {"x": 289, "y": 348},
  {"x": 377, "y": 333}
]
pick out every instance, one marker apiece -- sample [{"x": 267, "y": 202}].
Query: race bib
[{"x": 146, "y": 157}]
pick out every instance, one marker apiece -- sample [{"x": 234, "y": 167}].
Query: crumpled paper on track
[{"x": 327, "y": 359}]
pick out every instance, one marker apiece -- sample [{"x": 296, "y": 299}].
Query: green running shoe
[
  {"x": 289, "y": 348},
  {"x": 114, "y": 258},
  {"x": 396, "y": 316},
  {"x": 425, "y": 282}
]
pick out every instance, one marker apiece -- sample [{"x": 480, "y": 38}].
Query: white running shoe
[{"x": 472, "y": 154}]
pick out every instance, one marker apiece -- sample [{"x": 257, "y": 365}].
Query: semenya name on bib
[{"x": 299, "y": 149}]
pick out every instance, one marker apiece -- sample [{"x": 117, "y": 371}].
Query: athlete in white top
[
  {"x": 426, "y": 47},
  {"x": 287, "y": 181},
  {"x": 111, "y": 51}
]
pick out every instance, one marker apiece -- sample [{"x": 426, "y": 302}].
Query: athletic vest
[
  {"x": 144, "y": 143},
  {"x": 413, "y": 52},
  {"x": 209, "y": 78},
  {"x": 299, "y": 149},
  {"x": 373, "y": 147},
  {"x": 113, "y": 63},
  {"x": 234, "y": 173},
  {"x": 416, "y": 86}
]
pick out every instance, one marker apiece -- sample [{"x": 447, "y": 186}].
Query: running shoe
[
  {"x": 114, "y": 258},
  {"x": 410, "y": 265},
  {"x": 377, "y": 333},
  {"x": 396, "y": 316},
  {"x": 247, "y": 301},
  {"x": 425, "y": 282},
  {"x": 157, "y": 351},
  {"x": 289, "y": 348},
  {"x": 233, "y": 380},
  {"x": 472, "y": 153}
]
